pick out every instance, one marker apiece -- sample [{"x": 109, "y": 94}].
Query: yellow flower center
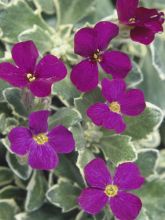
[
  {"x": 40, "y": 138},
  {"x": 96, "y": 56},
  {"x": 114, "y": 107},
  {"x": 132, "y": 20},
  {"x": 30, "y": 77},
  {"x": 111, "y": 190}
]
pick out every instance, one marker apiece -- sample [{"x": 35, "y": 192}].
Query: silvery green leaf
[
  {"x": 12, "y": 27},
  {"x": 8, "y": 208},
  {"x": 39, "y": 36},
  {"x": 36, "y": 190},
  {"x": 84, "y": 216},
  {"x": 45, "y": 6},
  {"x": 65, "y": 116},
  {"x": 68, "y": 170},
  {"x": 147, "y": 161},
  {"x": 135, "y": 76},
  {"x": 161, "y": 163},
  {"x": 3, "y": 85},
  {"x": 73, "y": 11},
  {"x": 78, "y": 135},
  {"x": 64, "y": 195},
  {"x": 18, "y": 166},
  {"x": 6, "y": 176},
  {"x": 14, "y": 98},
  {"x": 140, "y": 126},
  {"x": 118, "y": 148},
  {"x": 153, "y": 200}
]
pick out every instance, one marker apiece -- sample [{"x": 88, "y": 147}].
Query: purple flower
[
  {"x": 26, "y": 73},
  {"x": 104, "y": 189},
  {"x": 91, "y": 43},
  {"x": 119, "y": 102},
  {"x": 40, "y": 145},
  {"x": 143, "y": 22}
]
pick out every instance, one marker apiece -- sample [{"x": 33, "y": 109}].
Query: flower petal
[
  {"x": 25, "y": 55},
  {"x": 85, "y": 76},
  {"x": 142, "y": 35},
  {"x": 41, "y": 87},
  {"x": 126, "y": 9},
  {"x": 97, "y": 174},
  {"x": 132, "y": 102},
  {"x": 128, "y": 177},
  {"x": 115, "y": 122},
  {"x": 42, "y": 157},
  {"x": 13, "y": 75},
  {"x": 38, "y": 121},
  {"x": 51, "y": 67},
  {"x": 116, "y": 63},
  {"x": 112, "y": 90},
  {"x": 20, "y": 139},
  {"x": 84, "y": 42},
  {"x": 125, "y": 206},
  {"x": 105, "y": 31},
  {"x": 92, "y": 200},
  {"x": 61, "y": 139},
  {"x": 98, "y": 113}
]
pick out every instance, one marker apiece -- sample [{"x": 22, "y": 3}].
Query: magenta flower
[
  {"x": 104, "y": 189},
  {"x": 40, "y": 145},
  {"x": 26, "y": 73},
  {"x": 119, "y": 102},
  {"x": 91, "y": 43},
  {"x": 143, "y": 22}
]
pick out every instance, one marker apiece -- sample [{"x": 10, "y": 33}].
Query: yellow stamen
[
  {"x": 96, "y": 56},
  {"x": 30, "y": 77},
  {"x": 111, "y": 190},
  {"x": 40, "y": 138},
  {"x": 114, "y": 107},
  {"x": 132, "y": 20}
]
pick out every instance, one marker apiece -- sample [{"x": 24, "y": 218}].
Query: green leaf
[
  {"x": 45, "y": 6},
  {"x": 36, "y": 190},
  {"x": 157, "y": 50},
  {"x": 38, "y": 36},
  {"x": 78, "y": 135},
  {"x": 14, "y": 98},
  {"x": 6, "y": 176},
  {"x": 8, "y": 208},
  {"x": 12, "y": 27},
  {"x": 83, "y": 102},
  {"x": 140, "y": 126},
  {"x": 147, "y": 161},
  {"x": 84, "y": 216},
  {"x": 118, "y": 148},
  {"x": 153, "y": 199},
  {"x": 135, "y": 77},
  {"x": 22, "y": 170},
  {"x": 64, "y": 195},
  {"x": 73, "y": 11},
  {"x": 65, "y": 116},
  {"x": 69, "y": 170},
  {"x": 3, "y": 85}
]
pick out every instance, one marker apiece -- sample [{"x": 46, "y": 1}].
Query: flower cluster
[{"x": 41, "y": 146}]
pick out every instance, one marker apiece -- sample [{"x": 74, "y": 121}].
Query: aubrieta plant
[{"x": 76, "y": 133}]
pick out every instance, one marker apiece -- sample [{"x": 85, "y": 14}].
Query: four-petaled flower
[
  {"x": 40, "y": 145},
  {"x": 143, "y": 22},
  {"x": 119, "y": 102},
  {"x": 104, "y": 189},
  {"x": 91, "y": 43},
  {"x": 37, "y": 77}
]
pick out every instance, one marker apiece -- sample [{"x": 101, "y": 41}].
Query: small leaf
[
  {"x": 22, "y": 170},
  {"x": 84, "y": 216},
  {"x": 118, "y": 148},
  {"x": 58, "y": 193},
  {"x": 140, "y": 126},
  {"x": 8, "y": 208},
  {"x": 135, "y": 77},
  {"x": 65, "y": 116},
  {"x": 147, "y": 160},
  {"x": 6, "y": 176},
  {"x": 13, "y": 97},
  {"x": 45, "y": 6},
  {"x": 78, "y": 135},
  {"x": 36, "y": 192}
]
